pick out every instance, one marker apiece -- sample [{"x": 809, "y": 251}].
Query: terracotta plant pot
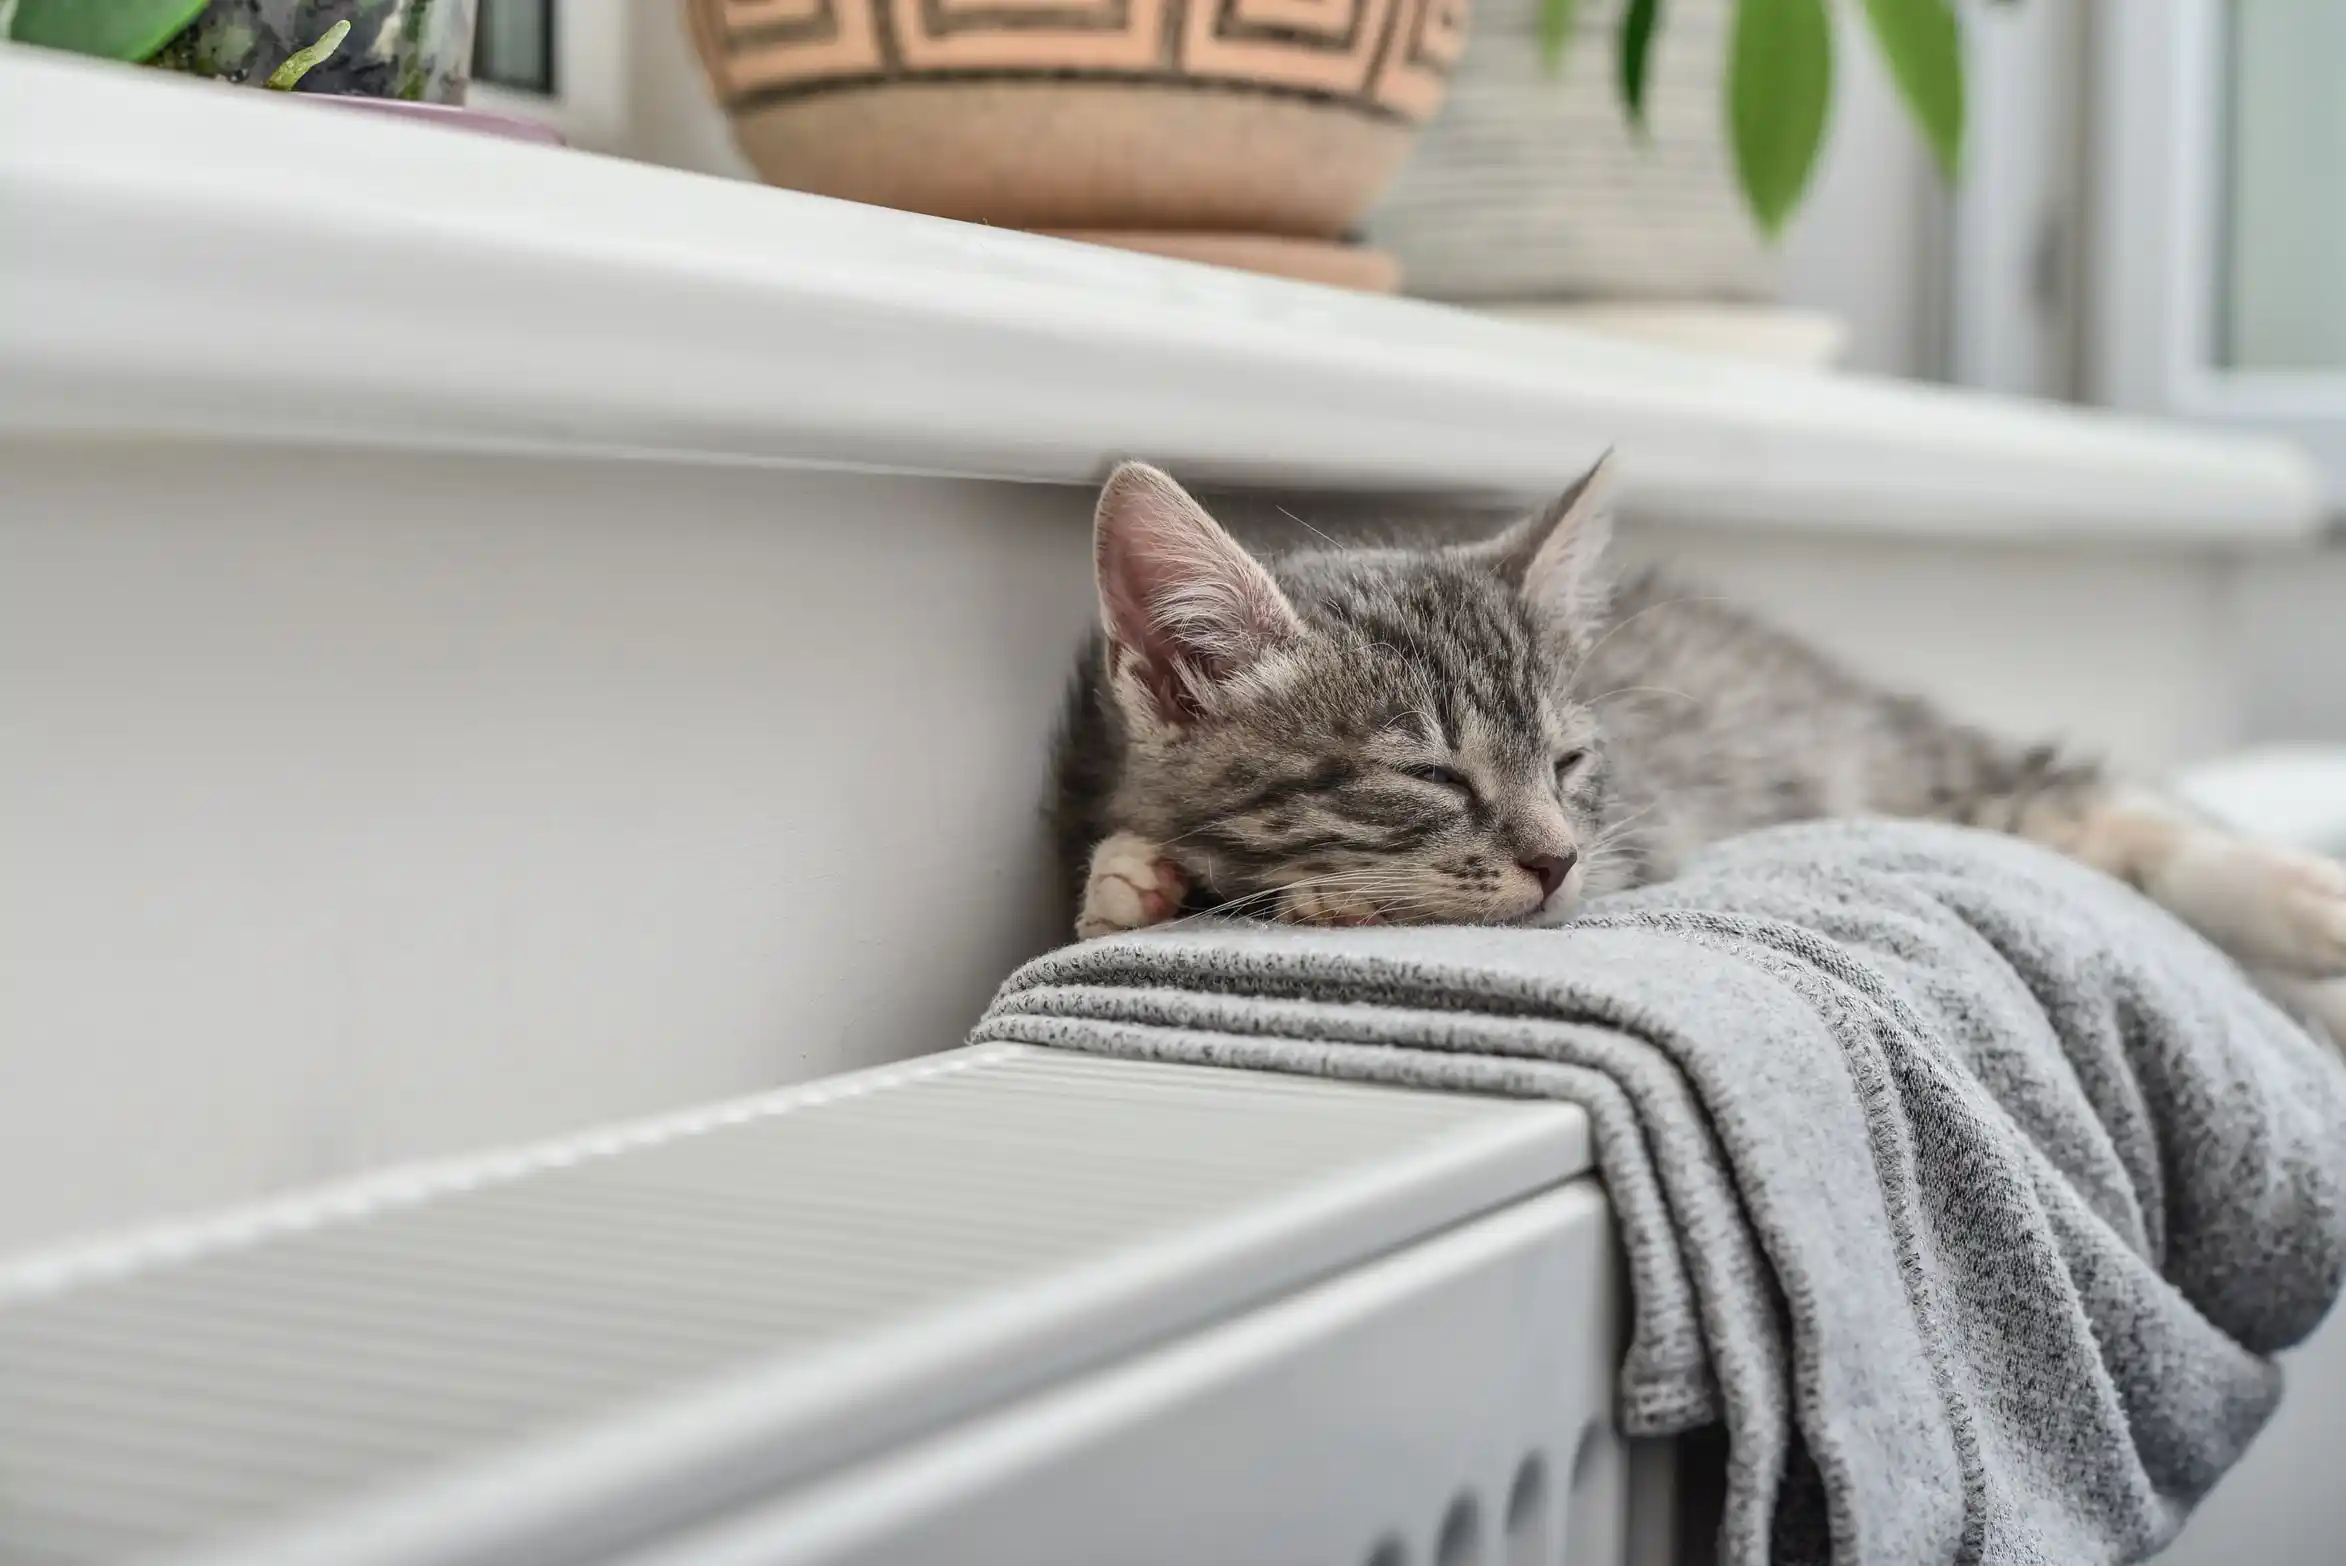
[{"x": 1230, "y": 117}]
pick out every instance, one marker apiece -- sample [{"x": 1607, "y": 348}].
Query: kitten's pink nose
[{"x": 1550, "y": 870}]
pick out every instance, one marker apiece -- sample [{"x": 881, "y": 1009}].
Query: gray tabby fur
[{"x": 1258, "y": 736}]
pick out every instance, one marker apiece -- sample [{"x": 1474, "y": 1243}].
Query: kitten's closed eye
[
  {"x": 1440, "y": 776},
  {"x": 1569, "y": 763}
]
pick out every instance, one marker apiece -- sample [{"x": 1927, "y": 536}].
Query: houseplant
[
  {"x": 415, "y": 51},
  {"x": 1534, "y": 187},
  {"x": 1780, "y": 82},
  {"x": 1199, "y": 126}
]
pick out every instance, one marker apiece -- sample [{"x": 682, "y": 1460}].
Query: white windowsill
[{"x": 183, "y": 259}]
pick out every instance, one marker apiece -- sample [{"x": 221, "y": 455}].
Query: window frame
[
  {"x": 589, "y": 102},
  {"x": 2157, "y": 150}
]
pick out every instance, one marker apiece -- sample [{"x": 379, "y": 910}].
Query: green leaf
[
  {"x": 110, "y": 29},
  {"x": 1779, "y": 91},
  {"x": 1637, "y": 44},
  {"x": 1556, "y": 18},
  {"x": 1925, "y": 49},
  {"x": 298, "y": 64}
]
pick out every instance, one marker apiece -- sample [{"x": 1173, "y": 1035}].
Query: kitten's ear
[
  {"x": 1186, "y": 608},
  {"x": 1552, "y": 557}
]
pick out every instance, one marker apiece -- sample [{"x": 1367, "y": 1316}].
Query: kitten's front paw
[
  {"x": 2270, "y": 907},
  {"x": 1132, "y": 886}
]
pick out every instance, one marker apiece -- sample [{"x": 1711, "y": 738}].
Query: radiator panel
[
  {"x": 1458, "y": 1390},
  {"x": 549, "y": 1353}
]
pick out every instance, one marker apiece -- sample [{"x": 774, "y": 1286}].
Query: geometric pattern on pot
[{"x": 1387, "y": 58}]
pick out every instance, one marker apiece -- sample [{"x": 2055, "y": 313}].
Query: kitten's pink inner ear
[
  {"x": 1182, "y": 602},
  {"x": 1557, "y": 551}
]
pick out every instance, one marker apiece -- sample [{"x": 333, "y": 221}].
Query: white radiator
[{"x": 1000, "y": 1305}]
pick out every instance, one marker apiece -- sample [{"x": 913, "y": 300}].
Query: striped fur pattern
[{"x": 1493, "y": 731}]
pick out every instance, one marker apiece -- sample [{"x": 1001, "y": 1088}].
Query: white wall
[
  {"x": 2293, "y": 615},
  {"x": 357, "y": 807},
  {"x": 2127, "y": 652},
  {"x": 672, "y": 119}
]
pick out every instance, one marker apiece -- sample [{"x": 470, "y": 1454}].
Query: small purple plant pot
[{"x": 479, "y": 122}]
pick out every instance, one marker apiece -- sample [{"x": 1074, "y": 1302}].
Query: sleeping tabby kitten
[{"x": 1491, "y": 732}]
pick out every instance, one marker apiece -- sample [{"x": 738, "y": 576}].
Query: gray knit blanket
[{"x": 1972, "y": 1192}]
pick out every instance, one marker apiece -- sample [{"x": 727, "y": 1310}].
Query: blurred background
[
  {"x": 2151, "y": 210},
  {"x": 2149, "y": 213},
  {"x": 2138, "y": 204}
]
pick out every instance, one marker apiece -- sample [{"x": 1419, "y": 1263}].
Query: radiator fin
[{"x": 176, "y": 1393}]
